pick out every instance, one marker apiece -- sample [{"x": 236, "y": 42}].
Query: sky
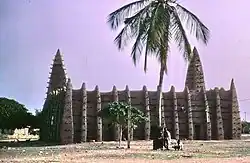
[{"x": 31, "y": 31}]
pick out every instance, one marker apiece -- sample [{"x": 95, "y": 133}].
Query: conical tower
[
  {"x": 57, "y": 77},
  {"x": 236, "y": 121},
  {"x": 195, "y": 75},
  {"x": 54, "y": 102}
]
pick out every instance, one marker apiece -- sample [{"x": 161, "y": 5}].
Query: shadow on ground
[{"x": 35, "y": 143}]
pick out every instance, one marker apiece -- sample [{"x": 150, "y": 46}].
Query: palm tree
[{"x": 153, "y": 24}]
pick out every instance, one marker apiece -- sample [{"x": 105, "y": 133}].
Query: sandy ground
[
  {"x": 134, "y": 160},
  {"x": 140, "y": 152}
]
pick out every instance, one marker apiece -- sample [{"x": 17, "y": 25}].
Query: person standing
[{"x": 167, "y": 138}]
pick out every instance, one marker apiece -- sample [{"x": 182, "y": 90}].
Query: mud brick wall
[
  {"x": 77, "y": 114},
  {"x": 153, "y": 107},
  {"x": 99, "y": 118},
  {"x": 168, "y": 108},
  {"x": 91, "y": 116},
  {"x": 67, "y": 126},
  {"x": 212, "y": 104},
  {"x": 187, "y": 114},
  {"x": 176, "y": 131},
  {"x": 179, "y": 100},
  {"x": 226, "y": 112},
  {"x": 189, "y": 111},
  {"x": 147, "y": 113},
  {"x": 182, "y": 114},
  {"x": 198, "y": 110},
  {"x": 219, "y": 120},
  {"x": 84, "y": 116},
  {"x": 207, "y": 116},
  {"x": 137, "y": 100},
  {"x": 108, "y": 131}
]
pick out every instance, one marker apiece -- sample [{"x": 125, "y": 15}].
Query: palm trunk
[{"x": 162, "y": 70}]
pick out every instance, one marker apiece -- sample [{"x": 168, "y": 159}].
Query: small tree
[
  {"x": 13, "y": 114},
  {"x": 245, "y": 127},
  {"x": 116, "y": 113}
]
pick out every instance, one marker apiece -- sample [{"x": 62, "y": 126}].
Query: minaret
[
  {"x": 195, "y": 75},
  {"x": 236, "y": 121},
  {"x": 57, "y": 77},
  {"x": 57, "y": 81}
]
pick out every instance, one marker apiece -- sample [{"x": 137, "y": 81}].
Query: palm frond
[
  {"x": 138, "y": 45},
  {"x": 194, "y": 24},
  {"x": 148, "y": 52},
  {"x": 151, "y": 36},
  {"x": 117, "y": 17},
  {"x": 165, "y": 37},
  {"x": 158, "y": 35},
  {"x": 180, "y": 36},
  {"x": 141, "y": 31},
  {"x": 131, "y": 28},
  {"x": 155, "y": 30},
  {"x": 123, "y": 37}
]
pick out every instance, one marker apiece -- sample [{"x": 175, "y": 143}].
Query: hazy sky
[{"x": 31, "y": 31}]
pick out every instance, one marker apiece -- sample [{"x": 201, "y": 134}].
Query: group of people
[{"x": 163, "y": 139}]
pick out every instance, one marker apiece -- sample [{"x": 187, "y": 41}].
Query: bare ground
[{"x": 140, "y": 152}]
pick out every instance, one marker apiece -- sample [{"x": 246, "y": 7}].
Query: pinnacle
[
  {"x": 195, "y": 50},
  {"x": 172, "y": 89},
  {"x": 58, "y": 58},
  {"x": 83, "y": 85},
  {"x": 58, "y": 52},
  {"x": 97, "y": 88},
  {"x": 114, "y": 88},
  {"x": 196, "y": 56},
  {"x": 232, "y": 86},
  {"x": 57, "y": 77}
]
